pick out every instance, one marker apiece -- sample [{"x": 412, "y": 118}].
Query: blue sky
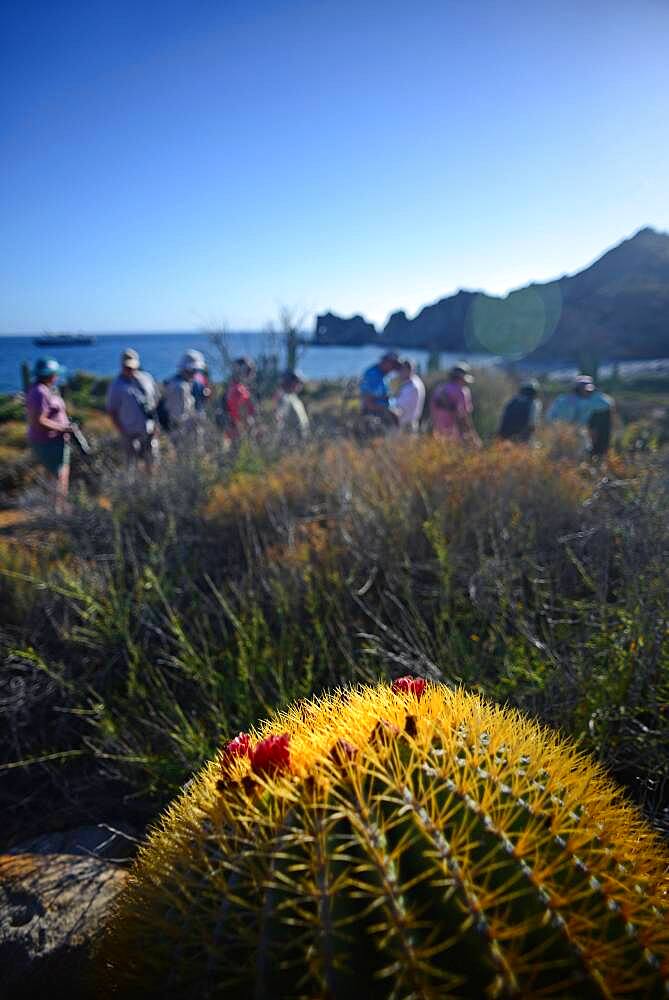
[{"x": 176, "y": 165}]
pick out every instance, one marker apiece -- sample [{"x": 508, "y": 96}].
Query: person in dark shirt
[{"x": 521, "y": 414}]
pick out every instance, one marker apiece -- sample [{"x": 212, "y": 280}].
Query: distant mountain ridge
[{"x": 615, "y": 309}]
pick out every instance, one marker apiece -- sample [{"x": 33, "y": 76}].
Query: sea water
[{"x": 160, "y": 353}]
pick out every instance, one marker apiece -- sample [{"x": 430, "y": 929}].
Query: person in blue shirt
[
  {"x": 374, "y": 394},
  {"x": 588, "y": 408}
]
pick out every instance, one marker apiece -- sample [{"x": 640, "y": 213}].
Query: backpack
[{"x": 516, "y": 417}]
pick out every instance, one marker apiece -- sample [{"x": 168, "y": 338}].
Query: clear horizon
[{"x": 171, "y": 167}]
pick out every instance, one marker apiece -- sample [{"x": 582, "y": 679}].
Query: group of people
[
  {"x": 140, "y": 409},
  {"x": 451, "y": 406}
]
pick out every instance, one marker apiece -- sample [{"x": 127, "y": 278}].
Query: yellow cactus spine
[{"x": 406, "y": 841}]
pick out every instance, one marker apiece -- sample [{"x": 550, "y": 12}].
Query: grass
[{"x": 155, "y": 621}]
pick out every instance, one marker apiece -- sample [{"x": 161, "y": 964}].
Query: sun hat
[
  {"x": 463, "y": 370},
  {"x": 46, "y": 367},
  {"x": 130, "y": 358},
  {"x": 192, "y": 361}
]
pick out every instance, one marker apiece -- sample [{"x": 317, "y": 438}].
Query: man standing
[
  {"x": 451, "y": 407},
  {"x": 567, "y": 407},
  {"x": 179, "y": 400},
  {"x": 521, "y": 414},
  {"x": 131, "y": 403},
  {"x": 374, "y": 397},
  {"x": 588, "y": 409},
  {"x": 408, "y": 404}
]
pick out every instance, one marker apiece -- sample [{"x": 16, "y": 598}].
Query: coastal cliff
[{"x": 617, "y": 308}]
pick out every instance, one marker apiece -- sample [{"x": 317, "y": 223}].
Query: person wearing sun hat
[
  {"x": 49, "y": 426},
  {"x": 178, "y": 411},
  {"x": 195, "y": 360},
  {"x": 451, "y": 407},
  {"x": 132, "y": 400}
]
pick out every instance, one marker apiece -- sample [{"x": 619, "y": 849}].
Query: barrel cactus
[{"x": 402, "y": 841}]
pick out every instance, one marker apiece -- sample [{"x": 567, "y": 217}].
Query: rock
[
  {"x": 116, "y": 840},
  {"x": 336, "y": 330},
  {"x": 51, "y": 908},
  {"x": 440, "y": 326}
]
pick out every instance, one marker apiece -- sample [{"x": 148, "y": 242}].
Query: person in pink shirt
[
  {"x": 48, "y": 427},
  {"x": 451, "y": 407}
]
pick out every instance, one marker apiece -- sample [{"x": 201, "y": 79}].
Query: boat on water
[{"x": 64, "y": 340}]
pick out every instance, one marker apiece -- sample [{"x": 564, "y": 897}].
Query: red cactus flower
[
  {"x": 409, "y": 685},
  {"x": 239, "y": 747},
  {"x": 271, "y": 755}
]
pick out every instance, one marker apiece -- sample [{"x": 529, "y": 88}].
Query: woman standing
[{"x": 48, "y": 427}]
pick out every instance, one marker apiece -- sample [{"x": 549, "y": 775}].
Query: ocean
[{"x": 160, "y": 353}]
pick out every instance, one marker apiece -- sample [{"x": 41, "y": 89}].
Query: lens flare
[{"x": 514, "y": 326}]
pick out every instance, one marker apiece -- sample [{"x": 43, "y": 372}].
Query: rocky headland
[{"x": 617, "y": 308}]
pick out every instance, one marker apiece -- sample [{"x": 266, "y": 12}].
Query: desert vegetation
[
  {"x": 147, "y": 626},
  {"x": 397, "y": 840}
]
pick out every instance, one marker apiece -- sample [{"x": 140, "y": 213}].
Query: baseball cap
[
  {"x": 47, "y": 367},
  {"x": 531, "y": 385},
  {"x": 584, "y": 382},
  {"x": 464, "y": 370},
  {"x": 130, "y": 358}
]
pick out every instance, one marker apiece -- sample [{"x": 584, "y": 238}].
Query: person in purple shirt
[
  {"x": 451, "y": 407},
  {"x": 48, "y": 427}
]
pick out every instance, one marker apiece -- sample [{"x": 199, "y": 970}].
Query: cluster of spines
[{"x": 339, "y": 813}]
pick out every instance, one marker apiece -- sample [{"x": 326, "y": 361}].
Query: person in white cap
[
  {"x": 132, "y": 400},
  {"x": 200, "y": 383},
  {"x": 179, "y": 395},
  {"x": 567, "y": 407}
]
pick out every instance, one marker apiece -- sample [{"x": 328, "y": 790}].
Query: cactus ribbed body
[{"x": 395, "y": 843}]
